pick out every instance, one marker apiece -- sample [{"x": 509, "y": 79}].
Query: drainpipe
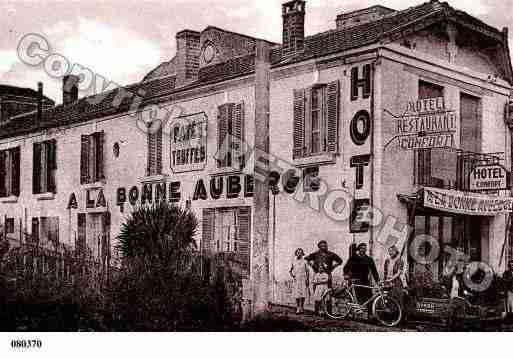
[{"x": 372, "y": 150}]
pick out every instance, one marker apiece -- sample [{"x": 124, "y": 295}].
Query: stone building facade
[{"x": 373, "y": 117}]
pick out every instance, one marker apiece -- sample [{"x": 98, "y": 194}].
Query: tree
[{"x": 157, "y": 235}]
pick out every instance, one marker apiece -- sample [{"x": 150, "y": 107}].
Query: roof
[
  {"x": 6, "y": 90},
  {"x": 334, "y": 41}
]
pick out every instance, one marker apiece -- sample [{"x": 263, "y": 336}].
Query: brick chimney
[
  {"x": 39, "y": 103},
  {"x": 187, "y": 57},
  {"x": 70, "y": 89},
  {"x": 293, "y": 13}
]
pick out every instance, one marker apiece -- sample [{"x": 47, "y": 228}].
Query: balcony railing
[{"x": 449, "y": 168}]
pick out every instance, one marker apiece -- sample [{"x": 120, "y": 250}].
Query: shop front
[{"x": 455, "y": 252}]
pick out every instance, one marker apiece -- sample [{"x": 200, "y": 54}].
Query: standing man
[
  {"x": 323, "y": 261},
  {"x": 394, "y": 273},
  {"x": 358, "y": 268},
  {"x": 507, "y": 280}
]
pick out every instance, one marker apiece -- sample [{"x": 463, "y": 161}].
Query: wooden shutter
[
  {"x": 354, "y": 83},
  {"x": 244, "y": 238},
  {"x": 238, "y": 132},
  {"x": 15, "y": 168},
  {"x": 332, "y": 115},
  {"x": 36, "y": 168},
  {"x": 3, "y": 174},
  {"x": 51, "y": 165},
  {"x": 298, "y": 137},
  {"x": 100, "y": 173},
  {"x": 153, "y": 152},
  {"x": 81, "y": 234},
  {"x": 208, "y": 224},
  {"x": 35, "y": 229},
  {"x": 222, "y": 132},
  {"x": 158, "y": 159},
  {"x": 84, "y": 159}
]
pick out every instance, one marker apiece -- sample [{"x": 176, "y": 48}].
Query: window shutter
[
  {"x": 238, "y": 132},
  {"x": 80, "y": 246},
  {"x": 3, "y": 173},
  {"x": 222, "y": 132},
  {"x": 208, "y": 224},
  {"x": 51, "y": 163},
  {"x": 158, "y": 166},
  {"x": 35, "y": 229},
  {"x": 332, "y": 112},
  {"x": 299, "y": 124},
  {"x": 100, "y": 174},
  {"x": 84, "y": 159},
  {"x": 36, "y": 168},
  {"x": 16, "y": 159},
  {"x": 243, "y": 237},
  {"x": 354, "y": 83}
]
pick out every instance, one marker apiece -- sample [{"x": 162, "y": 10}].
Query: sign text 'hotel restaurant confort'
[{"x": 426, "y": 124}]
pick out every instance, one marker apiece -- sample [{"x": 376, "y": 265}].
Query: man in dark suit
[
  {"x": 323, "y": 258},
  {"x": 358, "y": 269}
]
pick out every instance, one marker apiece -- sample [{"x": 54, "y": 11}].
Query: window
[
  {"x": 49, "y": 229},
  {"x": 9, "y": 225},
  {"x": 430, "y": 90},
  {"x": 230, "y": 135},
  {"x": 91, "y": 158},
  {"x": 315, "y": 127},
  {"x": 44, "y": 167},
  {"x": 227, "y": 230},
  {"x": 154, "y": 165},
  {"x": 10, "y": 172}
]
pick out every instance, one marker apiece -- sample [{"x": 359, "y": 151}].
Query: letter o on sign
[{"x": 360, "y": 127}]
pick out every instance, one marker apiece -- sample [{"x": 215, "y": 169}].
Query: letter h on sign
[{"x": 364, "y": 82}]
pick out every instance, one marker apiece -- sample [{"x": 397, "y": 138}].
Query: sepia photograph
[{"x": 241, "y": 166}]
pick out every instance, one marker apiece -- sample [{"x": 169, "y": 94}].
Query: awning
[{"x": 458, "y": 202}]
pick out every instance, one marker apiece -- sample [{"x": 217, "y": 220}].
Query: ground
[{"x": 285, "y": 319}]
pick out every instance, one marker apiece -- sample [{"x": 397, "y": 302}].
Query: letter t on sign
[{"x": 360, "y": 162}]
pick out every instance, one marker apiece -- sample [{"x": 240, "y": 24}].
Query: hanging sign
[
  {"x": 466, "y": 203},
  {"x": 488, "y": 178},
  {"x": 425, "y": 124}
]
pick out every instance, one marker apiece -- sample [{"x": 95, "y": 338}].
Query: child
[
  {"x": 320, "y": 282},
  {"x": 299, "y": 273}
]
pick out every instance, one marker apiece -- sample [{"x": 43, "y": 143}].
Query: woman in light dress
[{"x": 299, "y": 273}]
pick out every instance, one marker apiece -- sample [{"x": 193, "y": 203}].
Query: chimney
[
  {"x": 187, "y": 56},
  {"x": 39, "y": 103},
  {"x": 293, "y": 13},
  {"x": 70, "y": 89}
]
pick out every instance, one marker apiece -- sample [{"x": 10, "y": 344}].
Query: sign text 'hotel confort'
[{"x": 426, "y": 124}]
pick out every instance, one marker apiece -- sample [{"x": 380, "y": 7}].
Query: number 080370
[{"x": 26, "y": 343}]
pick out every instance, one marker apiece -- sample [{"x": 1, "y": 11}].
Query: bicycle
[{"x": 342, "y": 301}]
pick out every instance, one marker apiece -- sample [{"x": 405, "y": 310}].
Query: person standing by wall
[
  {"x": 507, "y": 281},
  {"x": 394, "y": 273},
  {"x": 325, "y": 261},
  {"x": 359, "y": 268},
  {"x": 299, "y": 273}
]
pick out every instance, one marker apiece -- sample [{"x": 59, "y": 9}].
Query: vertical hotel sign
[{"x": 189, "y": 143}]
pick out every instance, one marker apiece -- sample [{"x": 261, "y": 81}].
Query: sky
[{"x": 122, "y": 40}]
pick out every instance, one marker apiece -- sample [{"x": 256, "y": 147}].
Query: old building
[
  {"x": 15, "y": 101},
  {"x": 400, "y": 114}
]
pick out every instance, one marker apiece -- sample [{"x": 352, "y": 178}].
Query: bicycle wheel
[
  {"x": 387, "y": 311},
  {"x": 337, "y": 303}
]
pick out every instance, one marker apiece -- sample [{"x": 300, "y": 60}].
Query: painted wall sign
[
  {"x": 425, "y": 124},
  {"x": 488, "y": 178},
  {"x": 362, "y": 81},
  {"x": 360, "y": 127},
  {"x": 465, "y": 203},
  {"x": 204, "y": 189},
  {"x": 360, "y": 162},
  {"x": 359, "y": 219},
  {"x": 189, "y": 143},
  {"x": 93, "y": 199}
]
